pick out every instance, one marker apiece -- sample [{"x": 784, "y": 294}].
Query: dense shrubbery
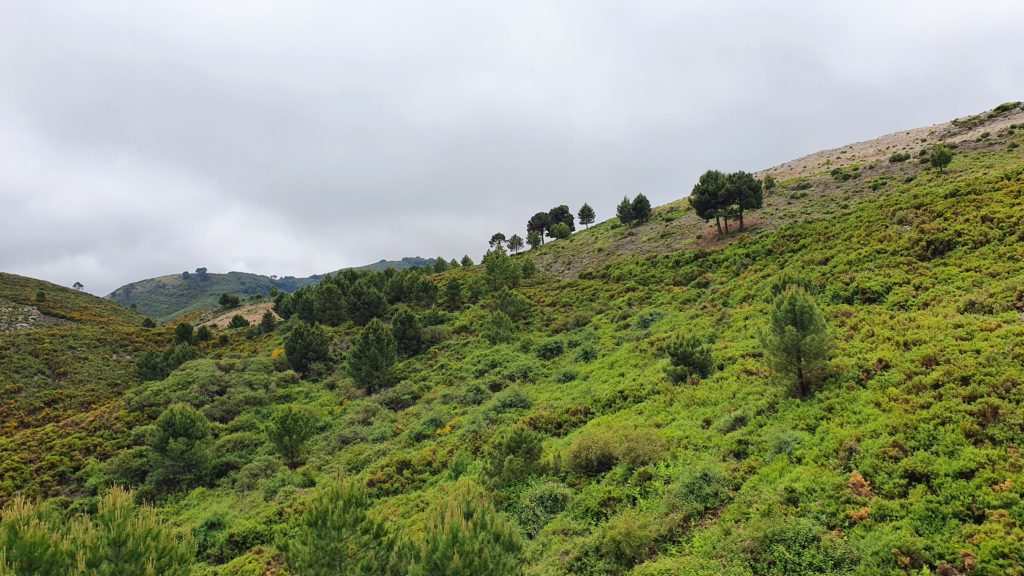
[{"x": 902, "y": 460}]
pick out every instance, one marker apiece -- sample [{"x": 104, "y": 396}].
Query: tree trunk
[
  {"x": 741, "y": 218},
  {"x": 718, "y": 222},
  {"x": 726, "y": 218}
]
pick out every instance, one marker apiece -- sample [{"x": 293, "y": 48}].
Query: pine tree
[
  {"x": 498, "y": 328},
  {"x": 120, "y": 539},
  {"x": 453, "y": 295},
  {"x": 796, "y": 343},
  {"x": 501, "y": 270},
  {"x": 743, "y": 192},
  {"x": 641, "y": 208},
  {"x": 238, "y": 321},
  {"x": 539, "y": 223},
  {"x": 305, "y": 346},
  {"x": 407, "y": 330},
  {"x": 290, "y": 427},
  {"x": 183, "y": 332},
  {"x": 707, "y": 197},
  {"x": 625, "y": 211},
  {"x": 267, "y": 322},
  {"x": 440, "y": 264},
  {"x": 467, "y": 537},
  {"x": 562, "y": 215},
  {"x": 940, "y": 157},
  {"x": 181, "y": 446},
  {"x": 534, "y": 239},
  {"x": 688, "y": 356},
  {"x": 586, "y": 215},
  {"x": 365, "y": 301},
  {"x": 515, "y": 243},
  {"x": 372, "y": 358},
  {"x": 467, "y": 261},
  {"x": 336, "y": 537},
  {"x": 497, "y": 240}
]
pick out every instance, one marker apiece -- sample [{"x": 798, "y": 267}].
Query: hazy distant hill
[{"x": 167, "y": 297}]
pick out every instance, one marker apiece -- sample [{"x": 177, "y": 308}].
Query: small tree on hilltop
[
  {"x": 498, "y": 240},
  {"x": 371, "y": 360},
  {"x": 515, "y": 243},
  {"x": 743, "y": 192},
  {"x": 625, "y": 211},
  {"x": 796, "y": 342},
  {"x": 78, "y": 285},
  {"x": 641, "y": 208},
  {"x": 562, "y": 215},
  {"x": 707, "y": 197},
  {"x": 540, "y": 223},
  {"x": 586, "y": 215},
  {"x": 941, "y": 157},
  {"x": 467, "y": 261},
  {"x": 305, "y": 346},
  {"x": 290, "y": 427},
  {"x": 440, "y": 264},
  {"x": 534, "y": 239}
]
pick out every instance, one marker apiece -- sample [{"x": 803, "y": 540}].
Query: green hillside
[
  {"x": 167, "y": 297},
  {"x": 537, "y": 424}
]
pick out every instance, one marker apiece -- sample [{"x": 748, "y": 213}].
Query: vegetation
[{"x": 837, "y": 393}]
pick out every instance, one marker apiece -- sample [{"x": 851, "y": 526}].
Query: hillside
[
  {"x": 536, "y": 425},
  {"x": 807, "y": 190},
  {"x": 167, "y": 297},
  {"x": 66, "y": 357}
]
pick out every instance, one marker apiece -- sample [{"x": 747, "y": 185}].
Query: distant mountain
[{"x": 167, "y": 297}]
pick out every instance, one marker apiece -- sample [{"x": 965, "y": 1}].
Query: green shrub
[
  {"x": 899, "y": 157},
  {"x": 513, "y": 456},
  {"x": 238, "y": 321},
  {"x": 539, "y": 503}
]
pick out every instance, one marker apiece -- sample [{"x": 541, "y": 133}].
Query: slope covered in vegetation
[
  {"x": 486, "y": 419},
  {"x": 167, "y": 297}
]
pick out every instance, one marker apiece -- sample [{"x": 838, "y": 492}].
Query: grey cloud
[{"x": 301, "y": 137}]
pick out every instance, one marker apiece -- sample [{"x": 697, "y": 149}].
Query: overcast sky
[{"x": 299, "y": 137}]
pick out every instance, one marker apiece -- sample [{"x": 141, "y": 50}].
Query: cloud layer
[{"x": 148, "y": 138}]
